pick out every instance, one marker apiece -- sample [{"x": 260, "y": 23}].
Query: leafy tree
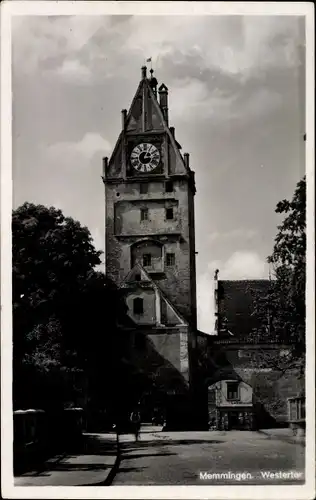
[
  {"x": 64, "y": 312},
  {"x": 69, "y": 337},
  {"x": 282, "y": 309}
]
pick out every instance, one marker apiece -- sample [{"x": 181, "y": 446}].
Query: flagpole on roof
[{"x": 149, "y": 59}]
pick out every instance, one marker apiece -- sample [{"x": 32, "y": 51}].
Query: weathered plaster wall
[
  {"x": 252, "y": 365},
  {"x": 176, "y": 282},
  {"x": 244, "y": 397},
  {"x": 164, "y": 354},
  {"x": 128, "y": 217},
  {"x": 149, "y": 305}
]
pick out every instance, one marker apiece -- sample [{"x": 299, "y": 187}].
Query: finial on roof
[
  {"x": 144, "y": 72},
  {"x": 153, "y": 82}
]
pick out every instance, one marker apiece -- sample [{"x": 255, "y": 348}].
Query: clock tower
[{"x": 150, "y": 243}]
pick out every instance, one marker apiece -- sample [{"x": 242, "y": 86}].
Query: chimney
[
  {"x": 172, "y": 131},
  {"x": 144, "y": 72},
  {"x": 163, "y": 101},
  {"x": 124, "y": 114},
  {"x": 104, "y": 167},
  {"x": 187, "y": 160}
]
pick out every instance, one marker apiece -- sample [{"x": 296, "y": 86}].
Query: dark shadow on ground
[
  {"x": 142, "y": 455},
  {"x": 130, "y": 469},
  {"x": 87, "y": 445},
  {"x": 168, "y": 442}
]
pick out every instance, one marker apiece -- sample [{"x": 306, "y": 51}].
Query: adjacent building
[{"x": 248, "y": 377}]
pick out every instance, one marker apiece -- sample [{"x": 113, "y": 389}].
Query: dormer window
[
  {"x": 146, "y": 260},
  {"x": 138, "y": 306},
  {"x": 137, "y": 277},
  {"x": 232, "y": 391}
]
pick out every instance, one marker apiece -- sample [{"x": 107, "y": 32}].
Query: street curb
[{"x": 112, "y": 473}]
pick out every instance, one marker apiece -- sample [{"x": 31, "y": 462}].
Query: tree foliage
[
  {"x": 64, "y": 311},
  {"x": 282, "y": 309}
]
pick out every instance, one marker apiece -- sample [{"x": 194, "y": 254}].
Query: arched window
[{"x": 149, "y": 254}]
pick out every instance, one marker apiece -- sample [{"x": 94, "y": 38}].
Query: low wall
[{"x": 39, "y": 435}]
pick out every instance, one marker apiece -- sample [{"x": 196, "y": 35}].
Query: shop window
[
  {"x": 138, "y": 306},
  {"x": 232, "y": 391}
]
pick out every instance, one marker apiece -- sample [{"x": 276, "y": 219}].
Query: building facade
[
  {"x": 250, "y": 376},
  {"x": 150, "y": 241}
]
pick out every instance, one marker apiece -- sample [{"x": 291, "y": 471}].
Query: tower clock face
[{"x": 145, "y": 157}]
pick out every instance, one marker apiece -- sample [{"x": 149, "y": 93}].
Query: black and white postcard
[{"x": 157, "y": 250}]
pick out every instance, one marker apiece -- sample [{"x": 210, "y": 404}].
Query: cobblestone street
[{"x": 176, "y": 458}]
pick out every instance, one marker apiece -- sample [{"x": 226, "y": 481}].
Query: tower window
[
  {"x": 169, "y": 187},
  {"x": 146, "y": 260},
  {"x": 144, "y": 214},
  {"x": 143, "y": 188},
  {"x": 232, "y": 390},
  {"x": 169, "y": 213},
  {"x": 138, "y": 306},
  {"x": 171, "y": 260}
]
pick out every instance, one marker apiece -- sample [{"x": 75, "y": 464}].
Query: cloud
[
  {"x": 78, "y": 153},
  {"x": 239, "y": 266},
  {"x": 50, "y": 39},
  {"x": 72, "y": 70},
  {"x": 200, "y": 100},
  {"x": 235, "y": 233},
  {"x": 235, "y": 45}
]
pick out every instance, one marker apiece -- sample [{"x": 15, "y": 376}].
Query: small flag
[{"x": 148, "y": 60}]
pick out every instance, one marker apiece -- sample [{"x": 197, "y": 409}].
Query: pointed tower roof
[{"x": 147, "y": 114}]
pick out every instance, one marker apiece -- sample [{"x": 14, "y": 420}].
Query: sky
[{"x": 236, "y": 100}]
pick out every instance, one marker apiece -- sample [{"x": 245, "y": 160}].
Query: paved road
[
  {"x": 90, "y": 467},
  {"x": 176, "y": 458}
]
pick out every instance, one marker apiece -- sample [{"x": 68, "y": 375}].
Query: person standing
[{"x": 135, "y": 419}]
